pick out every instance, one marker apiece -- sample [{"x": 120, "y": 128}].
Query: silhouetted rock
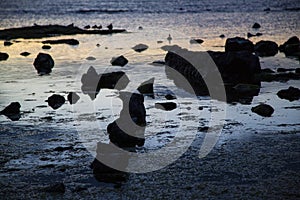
[
  {"x": 90, "y": 58},
  {"x": 256, "y": 25},
  {"x": 73, "y": 97},
  {"x": 267, "y": 9},
  {"x": 291, "y": 47},
  {"x": 46, "y": 47},
  {"x": 107, "y": 154},
  {"x": 222, "y": 36},
  {"x": 168, "y": 106},
  {"x": 12, "y": 111},
  {"x": 56, "y": 101},
  {"x": 158, "y": 62},
  {"x": 258, "y": 34},
  {"x": 129, "y": 129},
  {"x": 263, "y": 110},
  {"x": 170, "y": 97},
  {"x": 38, "y": 31},
  {"x": 146, "y": 88},
  {"x": 238, "y": 44},
  {"x": 280, "y": 70},
  {"x": 92, "y": 82},
  {"x": 7, "y": 43},
  {"x": 196, "y": 41},
  {"x": 266, "y": 48},
  {"x": 25, "y": 54},
  {"x": 290, "y": 94},
  {"x": 140, "y": 47},
  {"x": 3, "y": 56},
  {"x": 62, "y": 41},
  {"x": 267, "y": 70},
  {"x": 43, "y": 63},
  {"x": 119, "y": 61},
  {"x": 249, "y": 35},
  {"x": 56, "y": 188},
  {"x": 87, "y": 27}
]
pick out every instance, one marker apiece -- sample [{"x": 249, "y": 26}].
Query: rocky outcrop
[
  {"x": 43, "y": 63},
  {"x": 290, "y": 94},
  {"x": 128, "y": 130},
  {"x": 238, "y": 44},
  {"x": 62, "y": 41},
  {"x": 146, "y": 88},
  {"x": 12, "y": 111},
  {"x": 266, "y": 48},
  {"x": 263, "y": 110},
  {"x": 92, "y": 82},
  {"x": 3, "y": 56},
  {"x": 119, "y": 61},
  {"x": 56, "y": 101},
  {"x": 291, "y": 47}
]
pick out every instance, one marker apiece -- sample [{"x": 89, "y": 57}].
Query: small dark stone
[
  {"x": 62, "y": 41},
  {"x": 46, "y": 47},
  {"x": 25, "y": 54},
  {"x": 140, "y": 47},
  {"x": 7, "y": 43},
  {"x": 43, "y": 63},
  {"x": 158, "y": 62},
  {"x": 63, "y": 148},
  {"x": 87, "y": 27},
  {"x": 170, "y": 97},
  {"x": 266, "y": 48},
  {"x": 263, "y": 110},
  {"x": 56, "y": 101},
  {"x": 256, "y": 25},
  {"x": 119, "y": 61},
  {"x": 12, "y": 111},
  {"x": 168, "y": 106},
  {"x": 196, "y": 41},
  {"x": 267, "y": 70},
  {"x": 267, "y": 9},
  {"x": 56, "y": 188},
  {"x": 280, "y": 70},
  {"x": 249, "y": 35},
  {"x": 3, "y": 56},
  {"x": 222, "y": 36},
  {"x": 146, "y": 88},
  {"x": 73, "y": 97},
  {"x": 258, "y": 34},
  {"x": 290, "y": 94}
]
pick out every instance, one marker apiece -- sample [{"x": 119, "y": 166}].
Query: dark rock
[
  {"x": 62, "y": 41},
  {"x": 249, "y": 35},
  {"x": 87, "y": 27},
  {"x": 12, "y": 111},
  {"x": 280, "y": 77},
  {"x": 256, "y": 25},
  {"x": 267, "y": 70},
  {"x": 297, "y": 71},
  {"x": 291, "y": 47},
  {"x": 267, "y": 9},
  {"x": 92, "y": 82},
  {"x": 108, "y": 155},
  {"x": 258, "y": 34},
  {"x": 222, "y": 36},
  {"x": 263, "y": 110},
  {"x": 140, "y": 28},
  {"x": 43, "y": 63},
  {"x": 158, "y": 62},
  {"x": 25, "y": 54},
  {"x": 290, "y": 94},
  {"x": 129, "y": 129},
  {"x": 56, "y": 188},
  {"x": 46, "y": 47},
  {"x": 3, "y": 56},
  {"x": 170, "y": 97},
  {"x": 38, "y": 31},
  {"x": 284, "y": 70},
  {"x": 196, "y": 41},
  {"x": 56, "y": 101},
  {"x": 110, "y": 27},
  {"x": 168, "y": 106},
  {"x": 146, "y": 88},
  {"x": 266, "y": 48},
  {"x": 90, "y": 58},
  {"x": 238, "y": 44},
  {"x": 140, "y": 48},
  {"x": 7, "y": 43},
  {"x": 119, "y": 61},
  {"x": 73, "y": 97},
  {"x": 63, "y": 148}
]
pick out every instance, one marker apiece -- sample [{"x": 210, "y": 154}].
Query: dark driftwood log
[{"x": 49, "y": 31}]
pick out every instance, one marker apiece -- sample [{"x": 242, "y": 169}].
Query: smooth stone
[{"x": 263, "y": 110}]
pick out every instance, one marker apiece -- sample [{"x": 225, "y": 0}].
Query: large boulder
[
  {"x": 291, "y": 47},
  {"x": 12, "y": 111},
  {"x": 290, "y": 94},
  {"x": 55, "y": 101},
  {"x": 264, "y": 110},
  {"x": 43, "y": 63},
  {"x": 128, "y": 130},
  {"x": 92, "y": 82},
  {"x": 238, "y": 44},
  {"x": 266, "y": 48},
  {"x": 3, "y": 56}
]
